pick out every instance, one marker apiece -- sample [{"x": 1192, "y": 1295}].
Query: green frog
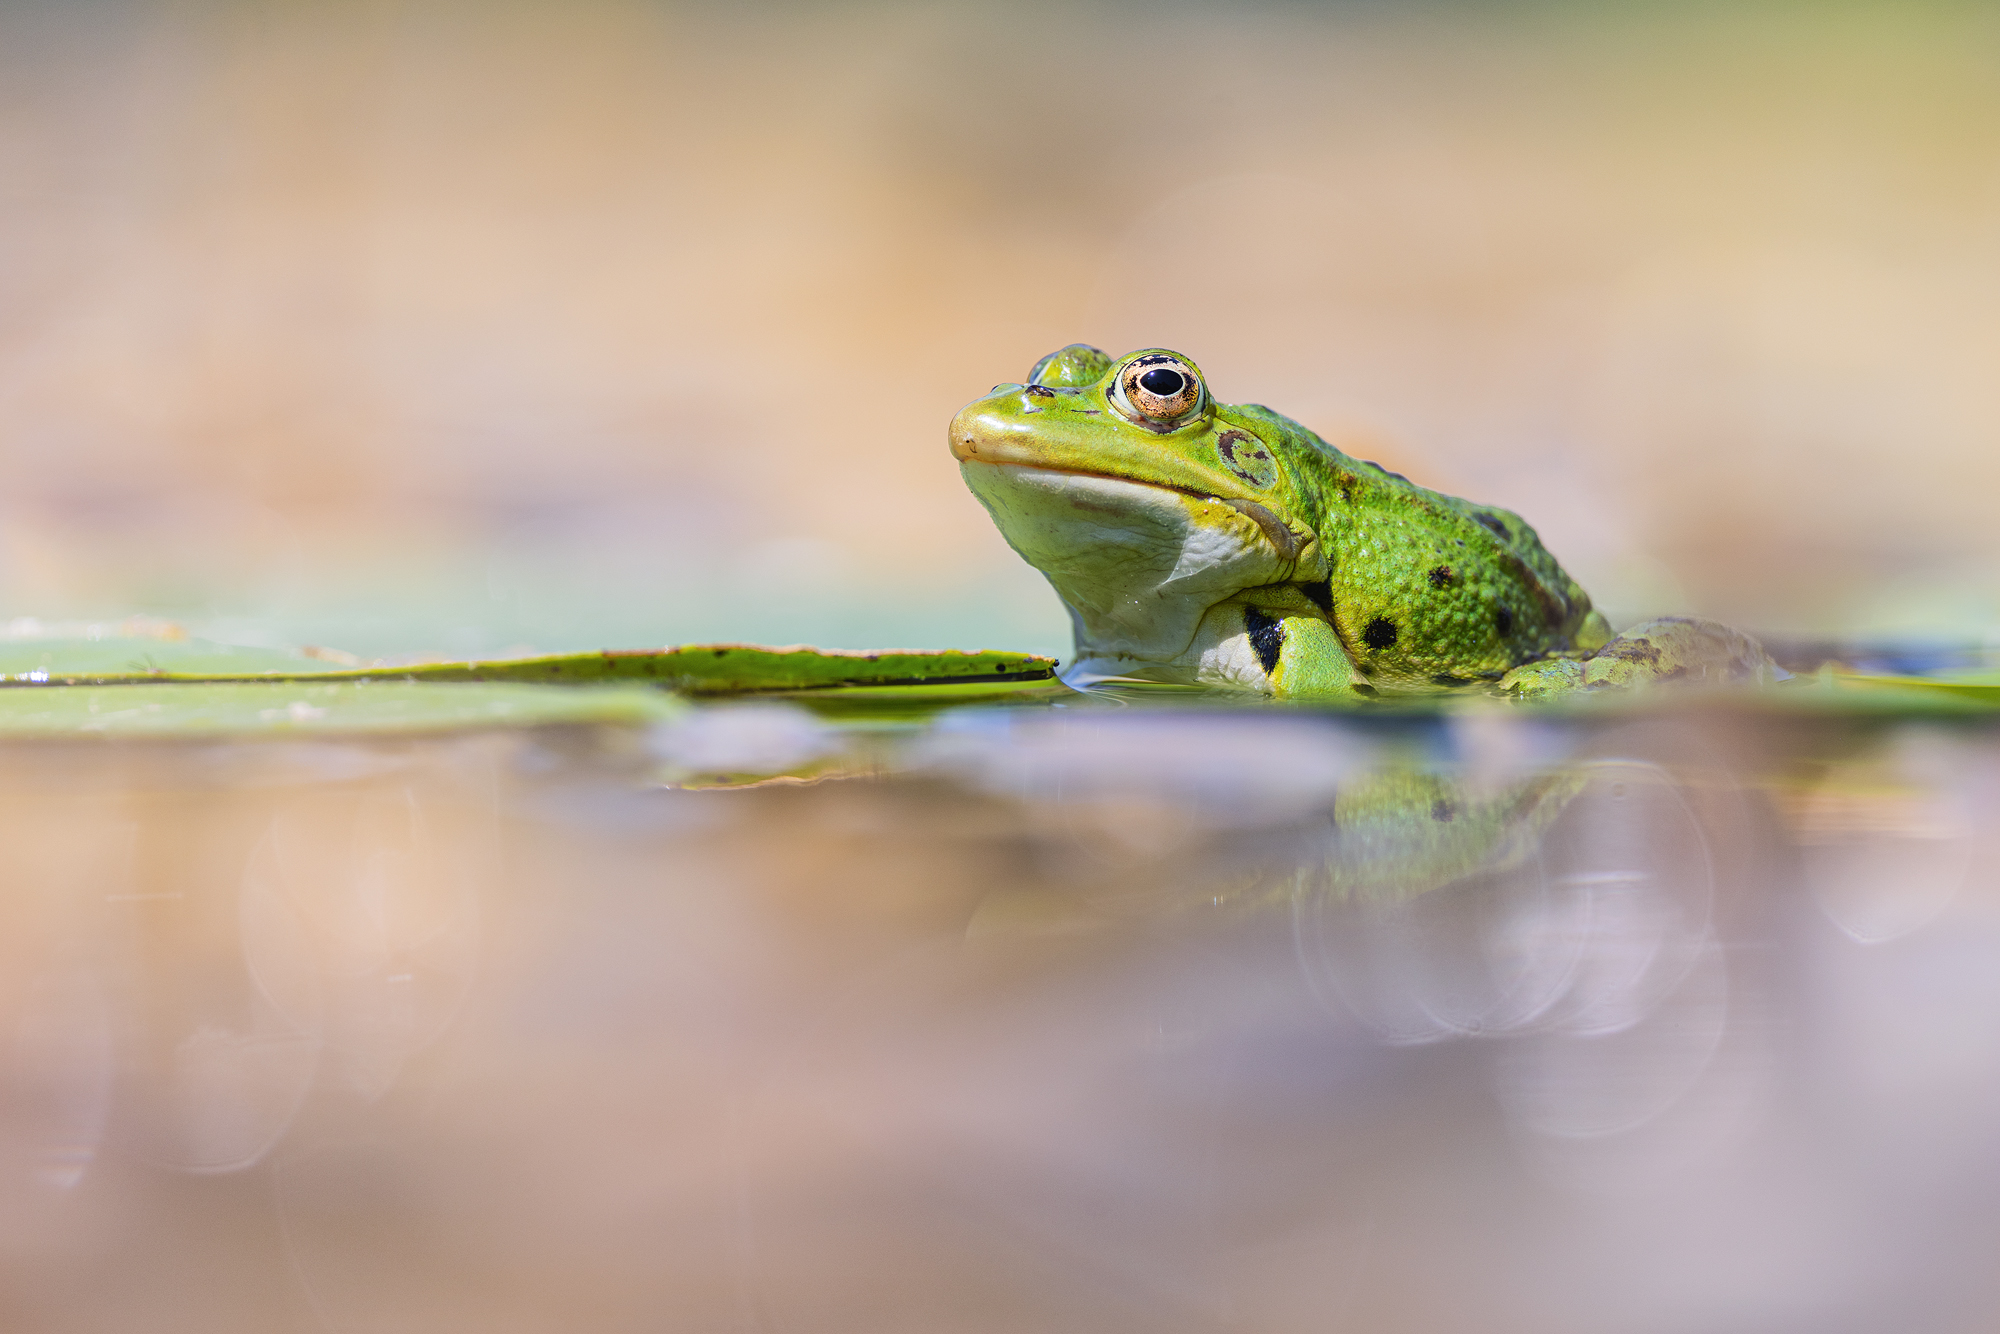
[{"x": 1199, "y": 543}]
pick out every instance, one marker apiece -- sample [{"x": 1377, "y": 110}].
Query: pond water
[{"x": 1075, "y": 1016}]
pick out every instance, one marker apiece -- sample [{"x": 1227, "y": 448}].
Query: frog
[{"x": 1196, "y": 543}]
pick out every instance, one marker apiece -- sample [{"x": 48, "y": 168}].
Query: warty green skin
[{"x": 1234, "y": 547}]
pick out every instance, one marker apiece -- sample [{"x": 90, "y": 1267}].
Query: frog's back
[{"x": 1427, "y": 590}]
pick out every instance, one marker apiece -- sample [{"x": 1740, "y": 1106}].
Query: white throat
[{"x": 1138, "y": 566}]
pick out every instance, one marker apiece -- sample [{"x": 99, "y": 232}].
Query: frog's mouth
[{"x": 1277, "y": 532}]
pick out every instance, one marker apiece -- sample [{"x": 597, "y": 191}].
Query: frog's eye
[{"x": 1159, "y": 388}]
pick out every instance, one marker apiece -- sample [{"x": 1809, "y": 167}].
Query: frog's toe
[
  {"x": 1670, "y": 650},
  {"x": 1679, "y": 649},
  {"x": 1546, "y": 679}
]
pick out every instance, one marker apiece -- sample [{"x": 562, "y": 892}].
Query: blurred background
[
  {"x": 464, "y": 328},
  {"x": 455, "y": 327}
]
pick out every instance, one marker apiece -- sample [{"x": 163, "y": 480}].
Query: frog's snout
[
  {"x": 974, "y": 436},
  {"x": 964, "y": 437}
]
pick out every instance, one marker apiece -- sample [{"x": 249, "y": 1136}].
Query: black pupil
[{"x": 1163, "y": 382}]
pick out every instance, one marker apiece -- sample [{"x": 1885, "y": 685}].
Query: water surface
[{"x": 1071, "y": 1016}]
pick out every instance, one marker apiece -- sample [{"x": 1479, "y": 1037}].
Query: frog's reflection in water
[
  {"x": 1578, "y": 912},
  {"x": 1059, "y": 1019}
]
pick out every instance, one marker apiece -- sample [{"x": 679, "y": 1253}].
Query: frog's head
[{"x": 1143, "y": 500}]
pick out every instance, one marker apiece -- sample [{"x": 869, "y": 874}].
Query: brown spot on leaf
[{"x": 1631, "y": 650}]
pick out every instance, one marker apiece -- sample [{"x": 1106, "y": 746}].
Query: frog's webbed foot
[
  {"x": 1670, "y": 649},
  {"x": 1279, "y": 644},
  {"x": 1546, "y": 679}
]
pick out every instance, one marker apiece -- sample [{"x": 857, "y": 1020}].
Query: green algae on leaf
[
  {"x": 248, "y": 709},
  {"x": 728, "y": 669}
]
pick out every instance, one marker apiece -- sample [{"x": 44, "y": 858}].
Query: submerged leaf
[
  {"x": 1983, "y": 689},
  {"x": 293, "y": 708},
  {"x": 1894, "y": 696},
  {"x": 141, "y": 658}
]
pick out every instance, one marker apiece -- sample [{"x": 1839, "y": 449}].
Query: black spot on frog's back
[
  {"x": 1267, "y": 637},
  {"x": 1441, "y": 576},
  {"x": 1380, "y": 633},
  {"x": 1503, "y": 621}
]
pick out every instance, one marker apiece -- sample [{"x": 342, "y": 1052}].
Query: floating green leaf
[
  {"x": 702, "y": 669},
  {"x": 137, "y": 685},
  {"x": 729, "y": 669}
]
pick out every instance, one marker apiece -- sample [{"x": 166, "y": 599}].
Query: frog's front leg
[
  {"x": 1669, "y": 649},
  {"x": 1275, "y": 649}
]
